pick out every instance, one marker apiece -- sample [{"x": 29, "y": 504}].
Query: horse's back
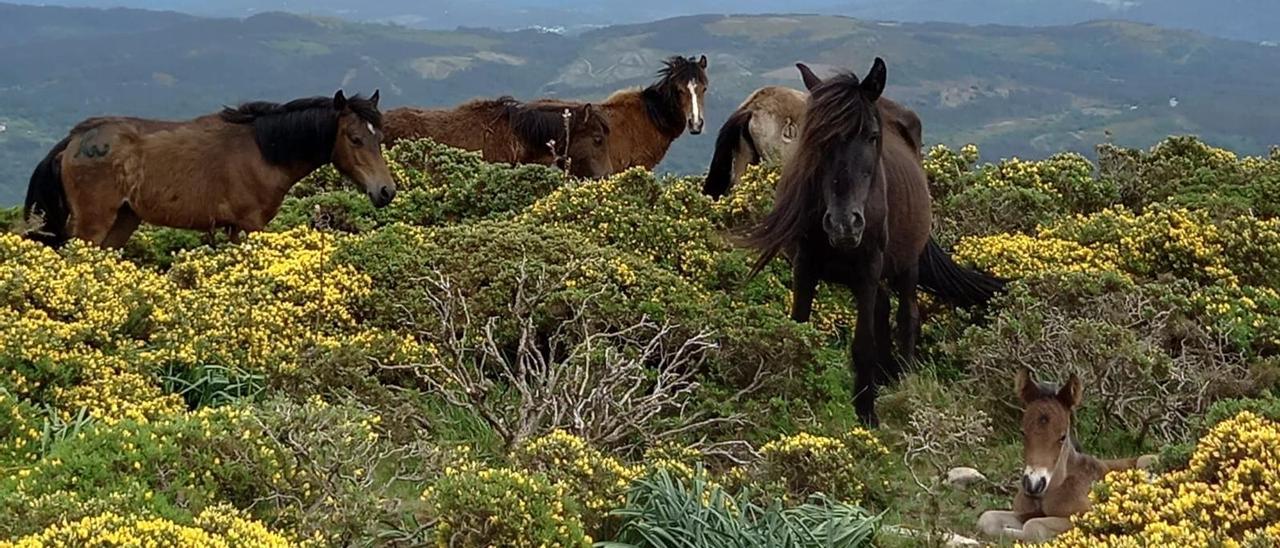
[
  {"x": 776, "y": 119},
  {"x": 475, "y": 125},
  {"x": 170, "y": 173},
  {"x": 910, "y": 205}
]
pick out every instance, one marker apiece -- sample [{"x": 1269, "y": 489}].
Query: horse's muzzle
[
  {"x": 1034, "y": 485},
  {"x": 844, "y": 232},
  {"x": 383, "y": 196}
]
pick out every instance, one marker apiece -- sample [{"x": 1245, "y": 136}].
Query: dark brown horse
[
  {"x": 645, "y": 121},
  {"x": 227, "y": 171},
  {"x": 1057, "y": 476},
  {"x": 506, "y": 130},
  {"x": 853, "y": 208}
]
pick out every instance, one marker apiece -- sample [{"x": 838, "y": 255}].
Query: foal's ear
[
  {"x": 702, "y": 61},
  {"x": 1071, "y": 393},
  {"x": 340, "y": 101},
  {"x": 811, "y": 80},
  {"x": 1026, "y": 386},
  {"x": 873, "y": 84},
  {"x": 377, "y": 94}
]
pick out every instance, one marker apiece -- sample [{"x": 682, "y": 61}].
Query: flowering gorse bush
[
  {"x": 1225, "y": 497},
  {"x": 215, "y": 527}
]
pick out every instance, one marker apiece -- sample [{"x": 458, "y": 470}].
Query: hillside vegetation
[
  {"x": 506, "y": 357},
  {"x": 1025, "y": 92}
]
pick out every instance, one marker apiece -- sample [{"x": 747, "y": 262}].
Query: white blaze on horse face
[
  {"x": 370, "y": 126},
  {"x": 696, "y": 101}
]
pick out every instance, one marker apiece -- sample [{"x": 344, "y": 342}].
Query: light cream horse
[
  {"x": 765, "y": 128},
  {"x": 1058, "y": 476}
]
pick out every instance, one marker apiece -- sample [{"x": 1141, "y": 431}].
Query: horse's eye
[
  {"x": 599, "y": 140},
  {"x": 357, "y": 141},
  {"x": 1063, "y": 438}
]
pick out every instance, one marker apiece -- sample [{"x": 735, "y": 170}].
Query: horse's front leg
[
  {"x": 804, "y": 285},
  {"x": 865, "y": 344},
  {"x": 998, "y": 524},
  {"x": 1043, "y": 529}
]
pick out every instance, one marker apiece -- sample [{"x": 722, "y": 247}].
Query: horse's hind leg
[
  {"x": 126, "y": 223},
  {"x": 908, "y": 320},
  {"x": 92, "y": 222}
]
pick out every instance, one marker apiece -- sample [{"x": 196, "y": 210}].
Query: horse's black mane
[
  {"x": 662, "y": 99},
  {"x": 539, "y": 122},
  {"x": 300, "y": 131},
  {"x": 837, "y": 111}
]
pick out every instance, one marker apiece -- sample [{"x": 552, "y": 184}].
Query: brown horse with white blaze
[
  {"x": 645, "y": 121},
  {"x": 1057, "y": 476},
  {"x": 508, "y": 131},
  {"x": 853, "y": 208},
  {"x": 226, "y": 171}
]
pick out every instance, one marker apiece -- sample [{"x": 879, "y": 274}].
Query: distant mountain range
[
  {"x": 1014, "y": 91},
  {"x": 1253, "y": 20}
]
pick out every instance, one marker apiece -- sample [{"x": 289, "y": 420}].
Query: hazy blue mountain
[
  {"x": 1014, "y": 91},
  {"x": 1253, "y": 20}
]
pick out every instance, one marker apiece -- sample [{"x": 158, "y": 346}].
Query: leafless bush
[
  {"x": 612, "y": 387},
  {"x": 1145, "y": 368}
]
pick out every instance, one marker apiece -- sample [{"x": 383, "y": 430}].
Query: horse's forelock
[{"x": 678, "y": 69}]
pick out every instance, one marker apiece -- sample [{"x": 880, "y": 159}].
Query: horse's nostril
[
  {"x": 386, "y": 193},
  {"x": 857, "y": 220}
]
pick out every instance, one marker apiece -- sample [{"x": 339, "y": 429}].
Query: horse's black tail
[
  {"x": 46, "y": 203},
  {"x": 732, "y": 133},
  {"x": 941, "y": 276}
]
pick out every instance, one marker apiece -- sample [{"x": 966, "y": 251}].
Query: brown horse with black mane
[
  {"x": 645, "y": 121},
  {"x": 853, "y": 208},
  {"x": 506, "y": 130},
  {"x": 226, "y": 171}
]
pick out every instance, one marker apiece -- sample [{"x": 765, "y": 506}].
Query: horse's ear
[
  {"x": 1071, "y": 393},
  {"x": 340, "y": 101},
  {"x": 585, "y": 115},
  {"x": 377, "y": 94},
  {"x": 873, "y": 84},
  {"x": 702, "y": 61},
  {"x": 811, "y": 80},
  {"x": 1025, "y": 386}
]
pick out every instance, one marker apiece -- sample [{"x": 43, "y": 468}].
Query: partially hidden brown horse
[
  {"x": 645, "y": 121},
  {"x": 226, "y": 171},
  {"x": 1058, "y": 476},
  {"x": 764, "y": 128},
  {"x": 853, "y": 208},
  {"x": 505, "y": 130}
]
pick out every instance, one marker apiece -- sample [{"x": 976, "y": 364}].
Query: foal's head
[
  {"x": 841, "y": 144},
  {"x": 357, "y": 150},
  {"x": 1046, "y": 429},
  {"x": 684, "y": 79}
]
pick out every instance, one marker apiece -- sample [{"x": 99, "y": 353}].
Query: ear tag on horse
[{"x": 789, "y": 131}]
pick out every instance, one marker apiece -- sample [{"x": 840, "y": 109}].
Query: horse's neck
[
  {"x": 643, "y": 141},
  {"x": 1076, "y": 465}
]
